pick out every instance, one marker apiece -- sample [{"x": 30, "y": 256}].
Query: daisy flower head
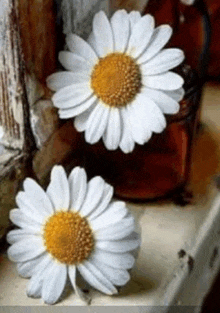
[
  {"x": 118, "y": 84},
  {"x": 72, "y": 228}
]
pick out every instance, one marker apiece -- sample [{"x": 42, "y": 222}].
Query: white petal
[
  {"x": 96, "y": 279},
  {"x": 150, "y": 115},
  {"x": 54, "y": 283},
  {"x": 127, "y": 143},
  {"x": 89, "y": 103},
  {"x": 140, "y": 130},
  {"x": 112, "y": 134},
  {"x": 26, "y": 249},
  {"x": 137, "y": 131},
  {"x": 140, "y": 36},
  {"x": 106, "y": 198},
  {"x": 78, "y": 187},
  {"x": 19, "y": 234},
  {"x": 74, "y": 62},
  {"x": 114, "y": 213},
  {"x": 28, "y": 268},
  {"x": 58, "y": 189},
  {"x": 94, "y": 194},
  {"x": 163, "y": 61},
  {"x": 80, "y": 120},
  {"x": 81, "y": 47},
  {"x": 36, "y": 282},
  {"x": 134, "y": 17},
  {"x": 103, "y": 36},
  {"x": 120, "y": 28},
  {"x": 71, "y": 96},
  {"x": 176, "y": 95},
  {"x": 78, "y": 291},
  {"x": 119, "y": 277},
  {"x": 45, "y": 262},
  {"x": 160, "y": 37},
  {"x": 22, "y": 220},
  {"x": 165, "y": 103},
  {"x": 60, "y": 80},
  {"x": 91, "y": 41},
  {"x": 96, "y": 124},
  {"x": 115, "y": 260},
  {"x": 29, "y": 207},
  {"x": 119, "y": 246},
  {"x": 166, "y": 81},
  {"x": 35, "y": 192},
  {"x": 117, "y": 231},
  {"x": 35, "y": 286}
]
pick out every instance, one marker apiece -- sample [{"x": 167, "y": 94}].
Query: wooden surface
[
  {"x": 38, "y": 36},
  {"x": 11, "y": 106},
  {"x": 129, "y": 5},
  {"x": 14, "y": 102}
]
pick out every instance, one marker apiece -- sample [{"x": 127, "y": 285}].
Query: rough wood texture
[
  {"x": 44, "y": 121},
  {"x": 129, "y": 5},
  {"x": 38, "y": 36},
  {"x": 11, "y": 107},
  {"x": 77, "y": 15},
  {"x": 14, "y": 114},
  {"x": 38, "y": 43},
  {"x": 66, "y": 144},
  {"x": 14, "y": 109}
]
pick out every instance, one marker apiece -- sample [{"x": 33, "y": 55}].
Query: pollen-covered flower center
[
  {"x": 116, "y": 79},
  {"x": 68, "y": 237}
]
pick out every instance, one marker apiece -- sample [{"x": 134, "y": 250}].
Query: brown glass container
[{"x": 161, "y": 166}]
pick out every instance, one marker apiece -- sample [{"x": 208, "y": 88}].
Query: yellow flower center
[
  {"x": 68, "y": 237},
  {"x": 116, "y": 79}
]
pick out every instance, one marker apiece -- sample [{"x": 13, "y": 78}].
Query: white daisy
[
  {"x": 118, "y": 85},
  {"x": 71, "y": 227}
]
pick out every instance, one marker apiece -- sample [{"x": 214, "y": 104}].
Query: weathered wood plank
[
  {"x": 77, "y": 15},
  {"x": 14, "y": 112},
  {"x": 38, "y": 36},
  {"x": 64, "y": 142},
  {"x": 11, "y": 107},
  {"x": 129, "y": 5}
]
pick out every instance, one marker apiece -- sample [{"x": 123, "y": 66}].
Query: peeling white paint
[
  {"x": 4, "y": 10},
  {"x": 1, "y": 136},
  {"x": 11, "y": 107}
]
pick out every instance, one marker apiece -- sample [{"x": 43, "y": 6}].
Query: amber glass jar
[{"x": 161, "y": 166}]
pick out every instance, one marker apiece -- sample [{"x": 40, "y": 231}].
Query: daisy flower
[
  {"x": 118, "y": 84},
  {"x": 72, "y": 227}
]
